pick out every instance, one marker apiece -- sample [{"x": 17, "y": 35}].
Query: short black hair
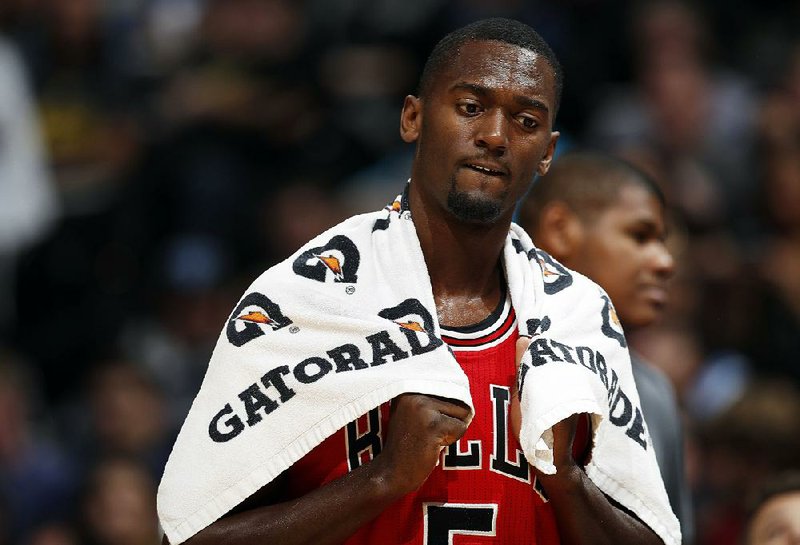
[
  {"x": 495, "y": 29},
  {"x": 588, "y": 182}
]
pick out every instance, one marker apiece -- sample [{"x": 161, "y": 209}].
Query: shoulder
[
  {"x": 655, "y": 392},
  {"x": 649, "y": 377}
]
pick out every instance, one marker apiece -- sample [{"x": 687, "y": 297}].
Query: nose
[
  {"x": 492, "y": 132},
  {"x": 662, "y": 261}
]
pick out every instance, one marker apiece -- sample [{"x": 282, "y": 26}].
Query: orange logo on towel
[
  {"x": 412, "y": 326},
  {"x": 336, "y": 261},
  {"x": 332, "y": 263},
  {"x": 255, "y": 317},
  {"x": 612, "y": 327},
  {"x": 614, "y": 317},
  {"x": 555, "y": 276}
]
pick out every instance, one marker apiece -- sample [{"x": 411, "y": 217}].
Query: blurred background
[{"x": 157, "y": 155}]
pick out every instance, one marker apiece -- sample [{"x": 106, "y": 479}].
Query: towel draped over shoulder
[{"x": 349, "y": 322}]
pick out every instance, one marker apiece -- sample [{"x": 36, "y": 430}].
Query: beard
[{"x": 471, "y": 208}]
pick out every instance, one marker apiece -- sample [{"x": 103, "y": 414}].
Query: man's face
[
  {"x": 623, "y": 250},
  {"x": 777, "y": 522},
  {"x": 483, "y": 130}
]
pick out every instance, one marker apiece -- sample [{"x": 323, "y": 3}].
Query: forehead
[
  {"x": 634, "y": 202},
  {"x": 783, "y": 506},
  {"x": 502, "y": 67},
  {"x": 778, "y": 512}
]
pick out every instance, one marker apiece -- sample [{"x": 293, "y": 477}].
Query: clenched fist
[{"x": 420, "y": 426}]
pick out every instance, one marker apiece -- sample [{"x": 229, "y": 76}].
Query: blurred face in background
[
  {"x": 270, "y": 30},
  {"x": 120, "y": 508},
  {"x": 128, "y": 411},
  {"x": 777, "y": 521},
  {"x": 622, "y": 249}
]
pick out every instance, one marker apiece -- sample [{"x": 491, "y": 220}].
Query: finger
[
  {"x": 451, "y": 429},
  {"x": 522, "y": 345},
  {"x": 450, "y": 407},
  {"x": 564, "y": 438},
  {"x": 515, "y": 413}
]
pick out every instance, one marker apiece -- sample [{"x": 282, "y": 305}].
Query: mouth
[
  {"x": 656, "y": 294},
  {"x": 487, "y": 170}
]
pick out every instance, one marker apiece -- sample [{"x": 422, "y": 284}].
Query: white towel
[{"x": 348, "y": 322}]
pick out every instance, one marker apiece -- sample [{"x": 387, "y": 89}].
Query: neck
[{"x": 463, "y": 262}]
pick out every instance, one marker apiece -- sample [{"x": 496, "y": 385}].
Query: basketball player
[
  {"x": 483, "y": 128},
  {"x": 604, "y": 218}
]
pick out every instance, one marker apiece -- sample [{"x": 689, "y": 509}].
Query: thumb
[
  {"x": 516, "y": 413},
  {"x": 522, "y": 345}
]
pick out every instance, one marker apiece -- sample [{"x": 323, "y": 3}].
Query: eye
[
  {"x": 641, "y": 236},
  {"x": 527, "y": 121},
  {"x": 469, "y": 108}
]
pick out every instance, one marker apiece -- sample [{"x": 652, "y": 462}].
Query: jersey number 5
[{"x": 445, "y": 520}]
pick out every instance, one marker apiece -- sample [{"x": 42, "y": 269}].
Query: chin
[
  {"x": 473, "y": 209},
  {"x": 643, "y": 317}
]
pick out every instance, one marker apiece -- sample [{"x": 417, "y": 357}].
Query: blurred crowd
[{"x": 156, "y": 155}]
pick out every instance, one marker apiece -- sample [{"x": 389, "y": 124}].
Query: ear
[
  {"x": 544, "y": 164},
  {"x": 411, "y": 119},
  {"x": 560, "y": 232}
]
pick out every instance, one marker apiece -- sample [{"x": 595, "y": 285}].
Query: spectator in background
[
  {"x": 81, "y": 276},
  {"x": 119, "y": 507},
  {"x": 603, "y": 218},
  {"x": 28, "y": 203},
  {"x": 240, "y": 116},
  {"x": 297, "y": 213},
  {"x": 37, "y": 482},
  {"x": 684, "y": 118},
  {"x": 779, "y": 123},
  {"x": 776, "y": 252},
  {"x": 56, "y": 533},
  {"x": 775, "y": 515},
  {"x": 746, "y": 445},
  {"x": 82, "y": 98},
  {"x": 128, "y": 418},
  {"x": 173, "y": 340},
  {"x": 775, "y": 348}
]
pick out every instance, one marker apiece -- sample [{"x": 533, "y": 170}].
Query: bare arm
[
  {"x": 420, "y": 427},
  {"x": 585, "y": 516}
]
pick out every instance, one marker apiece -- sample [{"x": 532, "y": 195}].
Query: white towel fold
[{"x": 348, "y": 322}]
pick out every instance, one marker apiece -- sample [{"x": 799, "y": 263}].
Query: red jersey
[{"x": 483, "y": 490}]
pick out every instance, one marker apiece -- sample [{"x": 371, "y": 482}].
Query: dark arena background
[{"x": 157, "y": 155}]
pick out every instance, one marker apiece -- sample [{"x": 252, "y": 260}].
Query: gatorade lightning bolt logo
[
  {"x": 336, "y": 261},
  {"x": 334, "y": 264},
  {"x": 383, "y": 223},
  {"x": 412, "y": 326},
  {"x": 253, "y": 317},
  {"x": 556, "y": 276},
  {"x": 612, "y": 327},
  {"x": 416, "y": 323}
]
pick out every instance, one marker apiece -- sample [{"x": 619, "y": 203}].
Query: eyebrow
[
  {"x": 523, "y": 100},
  {"x": 652, "y": 225}
]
